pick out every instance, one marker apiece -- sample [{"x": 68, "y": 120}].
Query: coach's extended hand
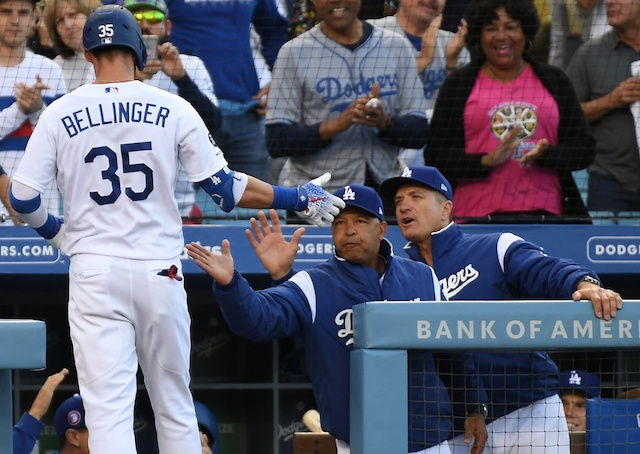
[
  {"x": 218, "y": 266},
  {"x": 275, "y": 253}
]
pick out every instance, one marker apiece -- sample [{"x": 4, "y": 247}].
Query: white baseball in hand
[{"x": 373, "y": 102}]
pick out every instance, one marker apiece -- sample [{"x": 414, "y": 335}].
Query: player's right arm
[
  {"x": 34, "y": 173},
  {"x": 27, "y": 202}
]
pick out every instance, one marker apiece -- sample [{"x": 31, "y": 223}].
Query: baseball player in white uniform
[{"x": 114, "y": 147}]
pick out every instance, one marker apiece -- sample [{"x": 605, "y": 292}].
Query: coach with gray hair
[{"x": 525, "y": 410}]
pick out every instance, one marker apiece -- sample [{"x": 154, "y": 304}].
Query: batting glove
[{"x": 322, "y": 206}]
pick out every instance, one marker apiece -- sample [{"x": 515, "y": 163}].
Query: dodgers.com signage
[{"x": 605, "y": 249}]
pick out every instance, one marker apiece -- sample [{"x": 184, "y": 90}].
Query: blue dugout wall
[{"x": 383, "y": 331}]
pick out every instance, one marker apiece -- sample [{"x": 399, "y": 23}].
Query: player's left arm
[{"x": 229, "y": 188}]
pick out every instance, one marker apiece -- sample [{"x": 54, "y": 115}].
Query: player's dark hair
[
  {"x": 483, "y": 12},
  {"x": 110, "y": 53}
]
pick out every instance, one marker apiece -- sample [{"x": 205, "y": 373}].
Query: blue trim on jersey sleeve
[
  {"x": 50, "y": 228},
  {"x": 24, "y": 206}
]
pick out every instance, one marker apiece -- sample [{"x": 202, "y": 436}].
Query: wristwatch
[
  {"x": 480, "y": 409},
  {"x": 591, "y": 280}
]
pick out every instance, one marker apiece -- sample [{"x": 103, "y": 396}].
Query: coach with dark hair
[{"x": 316, "y": 304}]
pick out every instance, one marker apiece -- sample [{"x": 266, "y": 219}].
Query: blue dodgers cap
[
  {"x": 363, "y": 197},
  {"x": 70, "y": 415},
  {"x": 580, "y": 380},
  {"x": 427, "y": 175}
]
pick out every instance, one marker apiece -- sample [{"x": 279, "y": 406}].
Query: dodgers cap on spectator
[
  {"x": 363, "y": 197},
  {"x": 581, "y": 380},
  {"x": 70, "y": 415},
  {"x": 427, "y": 175},
  {"x": 137, "y": 5}
]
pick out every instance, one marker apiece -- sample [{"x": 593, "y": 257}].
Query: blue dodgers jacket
[
  {"x": 502, "y": 266},
  {"x": 26, "y": 433},
  {"x": 317, "y": 305}
]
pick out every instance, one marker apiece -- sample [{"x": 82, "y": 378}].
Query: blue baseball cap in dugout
[
  {"x": 363, "y": 197},
  {"x": 580, "y": 380},
  {"x": 426, "y": 175},
  {"x": 208, "y": 425},
  {"x": 69, "y": 415}
]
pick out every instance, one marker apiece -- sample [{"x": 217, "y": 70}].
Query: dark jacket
[{"x": 575, "y": 149}]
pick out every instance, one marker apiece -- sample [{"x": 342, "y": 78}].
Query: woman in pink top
[{"x": 508, "y": 130}]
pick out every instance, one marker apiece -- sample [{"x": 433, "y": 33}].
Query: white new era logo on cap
[{"x": 443, "y": 187}]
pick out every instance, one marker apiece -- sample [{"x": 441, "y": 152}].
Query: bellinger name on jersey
[{"x": 116, "y": 112}]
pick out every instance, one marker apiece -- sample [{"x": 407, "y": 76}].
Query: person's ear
[
  {"x": 168, "y": 25},
  {"x": 72, "y": 437},
  {"x": 383, "y": 229},
  {"x": 447, "y": 208}
]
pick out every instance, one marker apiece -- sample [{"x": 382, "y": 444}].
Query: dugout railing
[{"x": 383, "y": 331}]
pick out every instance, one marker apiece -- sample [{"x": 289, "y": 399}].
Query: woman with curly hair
[{"x": 508, "y": 130}]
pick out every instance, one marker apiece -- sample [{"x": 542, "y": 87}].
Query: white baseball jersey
[
  {"x": 115, "y": 149},
  {"x": 16, "y": 126}
]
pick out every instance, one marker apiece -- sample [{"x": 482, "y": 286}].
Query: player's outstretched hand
[
  {"x": 275, "y": 253},
  {"x": 218, "y": 266},
  {"x": 43, "y": 399},
  {"x": 323, "y": 207}
]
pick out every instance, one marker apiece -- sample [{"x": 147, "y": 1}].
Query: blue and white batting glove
[{"x": 322, "y": 206}]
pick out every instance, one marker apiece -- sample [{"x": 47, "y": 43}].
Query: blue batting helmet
[
  {"x": 208, "y": 425},
  {"x": 114, "y": 25}
]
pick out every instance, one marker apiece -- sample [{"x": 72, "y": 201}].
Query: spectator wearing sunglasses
[
  {"x": 64, "y": 20},
  {"x": 180, "y": 74}
]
